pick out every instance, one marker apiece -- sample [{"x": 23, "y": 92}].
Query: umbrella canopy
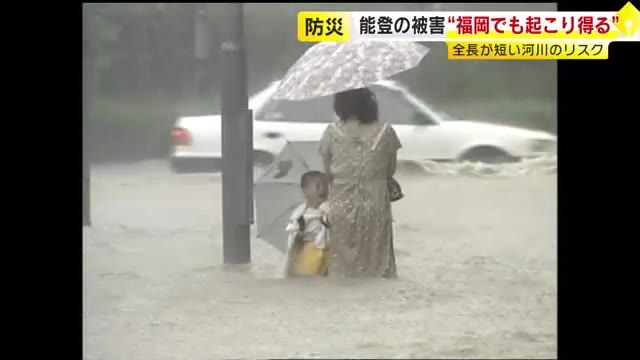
[
  {"x": 278, "y": 193},
  {"x": 331, "y": 67}
]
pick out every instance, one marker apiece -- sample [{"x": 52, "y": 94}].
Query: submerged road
[{"x": 476, "y": 259}]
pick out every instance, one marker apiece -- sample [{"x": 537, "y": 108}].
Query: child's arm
[
  {"x": 324, "y": 208},
  {"x": 296, "y": 229}
]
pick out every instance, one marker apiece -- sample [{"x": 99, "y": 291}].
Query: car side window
[
  {"x": 318, "y": 110},
  {"x": 393, "y": 108}
]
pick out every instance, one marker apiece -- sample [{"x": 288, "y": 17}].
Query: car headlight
[{"x": 540, "y": 145}]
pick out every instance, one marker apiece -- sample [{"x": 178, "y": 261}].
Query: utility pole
[
  {"x": 237, "y": 140},
  {"x": 86, "y": 103},
  {"x": 203, "y": 44}
]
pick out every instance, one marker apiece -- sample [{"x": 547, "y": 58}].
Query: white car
[{"x": 424, "y": 133}]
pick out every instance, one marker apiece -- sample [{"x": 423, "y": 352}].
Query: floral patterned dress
[{"x": 360, "y": 159}]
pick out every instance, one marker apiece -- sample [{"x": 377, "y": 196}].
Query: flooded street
[{"x": 476, "y": 259}]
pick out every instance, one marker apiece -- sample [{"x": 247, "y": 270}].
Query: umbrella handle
[
  {"x": 245, "y": 117},
  {"x": 301, "y": 224}
]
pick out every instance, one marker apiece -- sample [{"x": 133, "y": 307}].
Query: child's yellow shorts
[{"x": 310, "y": 261}]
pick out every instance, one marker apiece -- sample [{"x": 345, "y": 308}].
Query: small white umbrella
[{"x": 278, "y": 192}]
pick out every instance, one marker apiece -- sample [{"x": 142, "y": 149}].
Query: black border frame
[
  {"x": 44, "y": 159},
  {"x": 597, "y": 149}
]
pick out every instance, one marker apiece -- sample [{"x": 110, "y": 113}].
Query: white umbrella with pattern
[{"x": 331, "y": 67}]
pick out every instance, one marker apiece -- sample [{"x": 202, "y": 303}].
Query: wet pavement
[{"x": 476, "y": 258}]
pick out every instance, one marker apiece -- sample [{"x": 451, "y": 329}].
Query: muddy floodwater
[{"x": 476, "y": 259}]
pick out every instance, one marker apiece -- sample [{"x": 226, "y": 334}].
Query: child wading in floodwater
[{"x": 308, "y": 229}]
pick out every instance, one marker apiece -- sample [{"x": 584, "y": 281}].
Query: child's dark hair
[{"x": 311, "y": 175}]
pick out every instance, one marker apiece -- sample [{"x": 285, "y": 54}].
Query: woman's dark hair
[{"x": 360, "y": 104}]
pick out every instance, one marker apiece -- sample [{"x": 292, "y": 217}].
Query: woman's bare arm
[
  {"x": 394, "y": 146},
  {"x": 326, "y": 161},
  {"x": 325, "y": 152},
  {"x": 393, "y": 160}
]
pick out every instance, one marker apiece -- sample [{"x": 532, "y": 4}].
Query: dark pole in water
[
  {"x": 237, "y": 140},
  {"x": 86, "y": 74}
]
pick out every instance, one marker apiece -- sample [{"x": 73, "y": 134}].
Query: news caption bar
[{"x": 483, "y": 35}]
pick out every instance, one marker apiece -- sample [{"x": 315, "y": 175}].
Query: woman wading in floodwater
[{"x": 359, "y": 155}]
